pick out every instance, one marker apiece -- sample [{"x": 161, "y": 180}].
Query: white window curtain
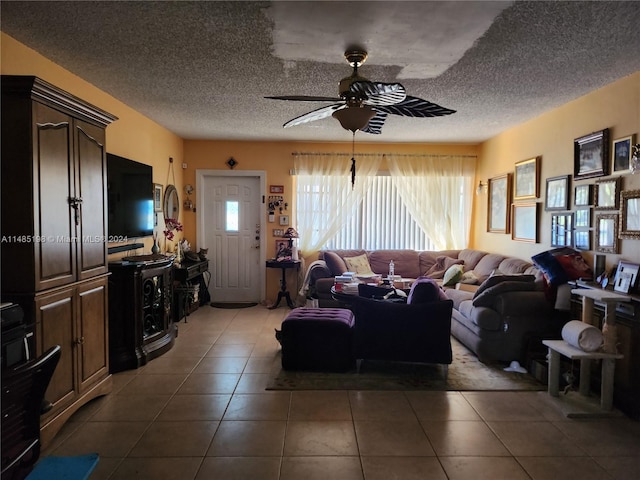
[
  {"x": 326, "y": 198},
  {"x": 438, "y": 191}
]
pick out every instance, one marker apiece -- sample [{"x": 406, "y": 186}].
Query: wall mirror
[
  {"x": 171, "y": 208},
  {"x": 606, "y": 233},
  {"x": 630, "y": 214}
]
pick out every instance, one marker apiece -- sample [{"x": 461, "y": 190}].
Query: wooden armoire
[{"x": 54, "y": 235}]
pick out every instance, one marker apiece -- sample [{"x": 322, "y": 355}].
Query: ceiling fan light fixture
[{"x": 354, "y": 118}]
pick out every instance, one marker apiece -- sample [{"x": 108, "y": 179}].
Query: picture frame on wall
[
  {"x": 583, "y": 196},
  {"x": 582, "y": 218},
  {"x": 621, "y": 153},
  {"x": 284, "y": 220},
  {"x": 157, "y": 197},
  {"x": 524, "y": 222},
  {"x": 557, "y": 193},
  {"x": 527, "y": 179},
  {"x": 606, "y": 232},
  {"x": 630, "y": 214},
  {"x": 590, "y": 155},
  {"x": 561, "y": 229},
  {"x": 582, "y": 239},
  {"x": 499, "y": 198},
  {"x": 606, "y": 194}
]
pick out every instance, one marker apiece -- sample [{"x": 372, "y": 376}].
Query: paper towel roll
[{"x": 582, "y": 335}]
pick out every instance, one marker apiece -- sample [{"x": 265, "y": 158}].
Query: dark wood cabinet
[
  {"x": 140, "y": 320},
  {"x": 54, "y": 227},
  {"x": 190, "y": 287},
  {"x": 626, "y": 394}
]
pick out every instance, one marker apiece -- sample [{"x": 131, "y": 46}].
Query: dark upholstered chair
[
  {"x": 419, "y": 333},
  {"x": 23, "y": 389}
]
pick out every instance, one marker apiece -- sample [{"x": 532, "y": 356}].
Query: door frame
[{"x": 201, "y": 175}]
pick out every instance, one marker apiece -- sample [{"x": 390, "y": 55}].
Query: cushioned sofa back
[
  {"x": 406, "y": 262},
  {"x": 471, "y": 258},
  {"x": 428, "y": 258},
  {"x": 487, "y": 264}
]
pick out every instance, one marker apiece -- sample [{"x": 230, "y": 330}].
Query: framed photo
[
  {"x": 157, "y": 197},
  {"x": 276, "y": 188},
  {"x": 590, "y": 155},
  {"x": 606, "y": 194},
  {"x": 527, "y": 179},
  {"x": 561, "y": 229},
  {"x": 582, "y": 239},
  {"x": 583, "y": 196},
  {"x": 582, "y": 218},
  {"x": 557, "y": 196},
  {"x": 284, "y": 219},
  {"x": 621, "y": 155},
  {"x": 499, "y": 198},
  {"x": 626, "y": 277},
  {"x": 606, "y": 233},
  {"x": 630, "y": 214},
  {"x": 525, "y": 222},
  {"x": 283, "y": 252}
]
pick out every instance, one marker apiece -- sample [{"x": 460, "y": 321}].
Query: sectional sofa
[{"x": 500, "y": 309}]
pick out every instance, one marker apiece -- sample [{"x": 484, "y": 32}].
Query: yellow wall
[
  {"x": 551, "y": 135},
  {"x": 132, "y": 136}
]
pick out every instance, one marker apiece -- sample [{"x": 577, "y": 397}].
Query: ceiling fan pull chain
[{"x": 353, "y": 161}]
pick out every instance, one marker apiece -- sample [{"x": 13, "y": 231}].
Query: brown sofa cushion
[
  {"x": 406, "y": 262},
  {"x": 443, "y": 263},
  {"x": 335, "y": 263}
]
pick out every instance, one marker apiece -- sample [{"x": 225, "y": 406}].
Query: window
[{"x": 232, "y": 216}]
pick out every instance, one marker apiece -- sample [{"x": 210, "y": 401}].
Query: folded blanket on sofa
[
  {"x": 582, "y": 335},
  {"x": 443, "y": 263}
]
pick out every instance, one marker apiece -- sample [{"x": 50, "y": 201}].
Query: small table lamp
[{"x": 290, "y": 234}]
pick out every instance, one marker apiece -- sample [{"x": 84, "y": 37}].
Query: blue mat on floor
[{"x": 64, "y": 468}]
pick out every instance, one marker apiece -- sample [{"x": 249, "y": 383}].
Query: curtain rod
[{"x": 383, "y": 154}]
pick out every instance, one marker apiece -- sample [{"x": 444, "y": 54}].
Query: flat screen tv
[{"x": 130, "y": 194}]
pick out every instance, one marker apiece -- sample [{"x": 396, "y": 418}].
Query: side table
[
  {"x": 283, "y": 293},
  {"x": 560, "y": 347}
]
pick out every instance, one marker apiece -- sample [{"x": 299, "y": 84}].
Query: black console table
[
  {"x": 190, "y": 289},
  {"x": 284, "y": 265},
  {"x": 140, "y": 321}
]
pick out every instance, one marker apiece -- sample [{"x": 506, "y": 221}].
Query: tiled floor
[{"x": 201, "y": 412}]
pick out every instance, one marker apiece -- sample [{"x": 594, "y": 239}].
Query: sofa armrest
[
  {"x": 317, "y": 271},
  {"x": 513, "y": 304}
]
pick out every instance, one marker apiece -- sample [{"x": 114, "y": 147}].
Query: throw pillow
[
  {"x": 425, "y": 290},
  {"x": 470, "y": 278},
  {"x": 487, "y": 297},
  {"x": 452, "y": 275},
  {"x": 575, "y": 266},
  {"x": 551, "y": 268},
  {"x": 359, "y": 264},
  {"x": 443, "y": 263},
  {"x": 335, "y": 264}
]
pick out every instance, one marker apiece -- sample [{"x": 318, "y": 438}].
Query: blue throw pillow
[{"x": 552, "y": 269}]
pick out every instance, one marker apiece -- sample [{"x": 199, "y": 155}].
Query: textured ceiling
[{"x": 202, "y": 69}]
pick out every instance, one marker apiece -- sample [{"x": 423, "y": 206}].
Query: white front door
[{"x": 229, "y": 225}]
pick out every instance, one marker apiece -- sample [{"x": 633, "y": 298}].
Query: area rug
[
  {"x": 233, "y": 304},
  {"x": 466, "y": 373},
  {"x": 64, "y": 468}
]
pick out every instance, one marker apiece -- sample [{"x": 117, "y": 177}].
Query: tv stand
[
  {"x": 124, "y": 248},
  {"x": 140, "y": 318}
]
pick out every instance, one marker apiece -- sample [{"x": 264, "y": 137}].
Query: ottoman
[{"x": 317, "y": 339}]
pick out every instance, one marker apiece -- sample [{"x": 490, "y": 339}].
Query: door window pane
[{"x": 232, "y": 216}]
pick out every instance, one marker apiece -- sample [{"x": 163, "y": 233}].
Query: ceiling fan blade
[
  {"x": 377, "y": 93},
  {"x": 416, "y": 107},
  {"x": 375, "y": 124},
  {"x": 305, "y": 98},
  {"x": 314, "y": 115}
]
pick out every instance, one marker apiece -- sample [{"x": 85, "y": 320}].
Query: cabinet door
[
  {"x": 93, "y": 336},
  {"x": 55, "y": 325},
  {"x": 91, "y": 188},
  {"x": 53, "y": 187}
]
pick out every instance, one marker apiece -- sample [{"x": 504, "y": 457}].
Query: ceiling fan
[{"x": 364, "y": 105}]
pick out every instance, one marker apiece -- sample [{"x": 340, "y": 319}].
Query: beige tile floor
[{"x": 201, "y": 412}]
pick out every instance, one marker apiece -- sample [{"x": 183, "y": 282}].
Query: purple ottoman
[{"x": 317, "y": 339}]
